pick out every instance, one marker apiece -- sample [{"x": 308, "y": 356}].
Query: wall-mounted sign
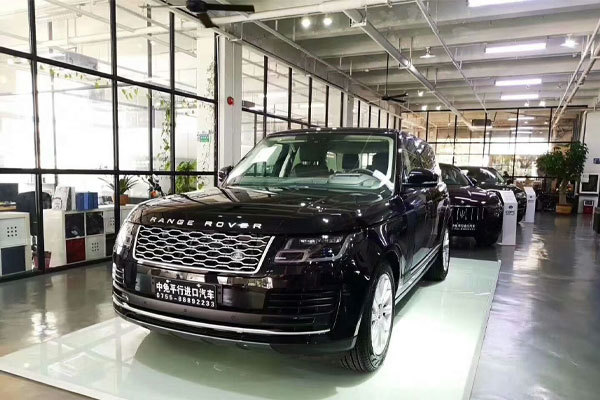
[
  {"x": 204, "y": 138},
  {"x": 596, "y": 160}
]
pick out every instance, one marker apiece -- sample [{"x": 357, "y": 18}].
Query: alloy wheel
[
  {"x": 381, "y": 314},
  {"x": 446, "y": 250}
]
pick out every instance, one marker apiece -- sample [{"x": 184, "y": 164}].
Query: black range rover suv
[
  {"x": 306, "y": 246},
  {"x": 475, "y": 212}
]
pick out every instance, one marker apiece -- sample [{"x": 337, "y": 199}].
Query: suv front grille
[
  {"x": 209, "y": 251},
  {"x": 467, "y": 214}
]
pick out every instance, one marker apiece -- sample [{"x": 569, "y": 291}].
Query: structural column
[
  {"x": 348, "y": 110},
  {"x": 230, "y": 115}
]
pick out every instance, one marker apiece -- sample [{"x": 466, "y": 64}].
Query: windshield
[
  {"x": 453, "y": 176},
  {"x": 319, "y": 161},
  {"x": 485, "y": 175}
]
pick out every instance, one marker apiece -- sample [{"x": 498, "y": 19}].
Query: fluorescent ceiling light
[
  {"x": 542, "y": 103},
  {"x": 420, "y": 93},
  {"x": 520, "y": 82},
  {"x": 525, "y": 96},
  {"x": 521, "y": 118},
  {"x": 305, "y": 22},
  {"x": 515, "y": 48},
  {"x": 327, "y": 21},
  {"x": 569, "y": 42},
  {"x": 424, "y": 108},
  {"x": 438, "y": 108},
  {"x": 480, "y": 3}
]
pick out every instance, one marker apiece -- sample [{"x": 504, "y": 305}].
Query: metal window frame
[{"x": 38, "y": 172}]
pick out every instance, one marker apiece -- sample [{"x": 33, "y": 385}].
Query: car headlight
[
  {"x": 124, "y": 237},
  {"x": 318, "y": 248}
]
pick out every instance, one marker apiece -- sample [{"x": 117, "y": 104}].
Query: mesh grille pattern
[
  {"x": 467, "y": 214},
  {"x": 211, "y": 251}
]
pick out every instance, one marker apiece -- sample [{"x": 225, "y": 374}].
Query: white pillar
[
  {"x": 348, "y": 110},
  {"x": 230, "y": 116}
]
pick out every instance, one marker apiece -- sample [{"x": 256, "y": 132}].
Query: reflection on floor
[
  {"x": 436, "y": 338},
  {"x": 543, "y": 340}
]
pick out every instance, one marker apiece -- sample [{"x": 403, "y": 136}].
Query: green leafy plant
[
  {"x": 564, "y": 166},
  {"x": 187, "y": 183},
  {"x": 125, "y": 183}
]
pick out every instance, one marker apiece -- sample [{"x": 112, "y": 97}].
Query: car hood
[
  {"x": 471, "y": 196},
  {"x": 265, "y": 211}
]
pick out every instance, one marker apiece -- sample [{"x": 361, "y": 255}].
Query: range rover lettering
[
  {"x": 475, "y": 212},
  {"x": 306, "y": 246},
  {"x": 490, "y": 179}
]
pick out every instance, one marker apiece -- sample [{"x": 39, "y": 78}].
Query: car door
[
  {"x": 436, "y": 195},
  {"x": 415, "y": 200}
]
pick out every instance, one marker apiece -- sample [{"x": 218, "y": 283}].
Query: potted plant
[
  {"x": 565, "y": 166},
  {"x": 125, "y": 183}
]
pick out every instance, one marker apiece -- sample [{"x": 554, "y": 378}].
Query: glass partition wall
[
  {"x": 96, "y": 97},
  {"x": 509, "y": 140},
  {"x": 277, "y": 97}
]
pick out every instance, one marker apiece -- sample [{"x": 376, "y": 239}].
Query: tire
[
  {"x": 439, "y": 269},
  {"x": 370, "y": 351},
  {"x": 487, "y": 239}
]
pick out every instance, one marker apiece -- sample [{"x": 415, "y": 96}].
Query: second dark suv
[
  {"x": 307, "y": 246},
  {"x": 490, "y": 179}
]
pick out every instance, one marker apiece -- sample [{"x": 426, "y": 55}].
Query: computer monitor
[{"x": 9, "y": 192}]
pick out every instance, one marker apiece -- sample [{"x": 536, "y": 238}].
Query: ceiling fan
[{"x": 201, "y": 8}]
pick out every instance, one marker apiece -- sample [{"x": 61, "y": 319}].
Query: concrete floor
[{"x": 542, "y": 338}]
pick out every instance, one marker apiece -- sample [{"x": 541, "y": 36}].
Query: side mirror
[
  {"x": 421, "y": 177},
  {"x": 222, "y": 174}
]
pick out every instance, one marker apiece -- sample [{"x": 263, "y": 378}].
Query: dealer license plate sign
[{"x": 186, "y": 292}]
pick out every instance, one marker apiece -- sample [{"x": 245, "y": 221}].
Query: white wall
[{"x": 592, "y": 139}]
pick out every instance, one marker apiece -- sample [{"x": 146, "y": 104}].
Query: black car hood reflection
[
  {"x": 471, "y": 196},
  {"x": 266, "y": 211}
]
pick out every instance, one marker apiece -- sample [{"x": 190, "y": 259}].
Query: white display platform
[
  {"x": 433, "y": 355},
  {"x": 530, "y": 210},
  {"x": 508, "y": 236}
]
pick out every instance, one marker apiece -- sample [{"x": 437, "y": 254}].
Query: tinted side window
[
  {"x": 410, "y": 156},
  {"x": 428, "y": 157}
]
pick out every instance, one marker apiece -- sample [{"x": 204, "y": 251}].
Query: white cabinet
[
  {"x": 15, "y": 243},
  {"x": 76, "y": 236}
]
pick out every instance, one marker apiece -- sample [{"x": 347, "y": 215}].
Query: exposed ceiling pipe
[
  {"x": 325, "y": 63},
  {"x": 566, "y": 97},
  {"x": 192, "y": 19},
  {"x": 437, "y": 34},
  {"x": 404, "y": 62},
  {"x": 325, "y": 7}
]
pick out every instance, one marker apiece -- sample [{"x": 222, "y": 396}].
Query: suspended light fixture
[
  {"x": 428, "y": 53},
  {"x": 424, "y": 108},
  {"x": 327, "y": 21},
  {"x": 420, "y": 93},
  {"x": 569, "y": 42},
  {"x": 542, "y": 103},
  {"x": 305, "y": 21}
]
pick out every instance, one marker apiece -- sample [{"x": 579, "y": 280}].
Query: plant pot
[
  {"x": 564, "y": 209},
  {"x": 124, "y": 199}
]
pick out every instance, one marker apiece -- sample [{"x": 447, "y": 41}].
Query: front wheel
[
  {"x": 439, "y": 269},
  {"x": 376, "y": 324}
]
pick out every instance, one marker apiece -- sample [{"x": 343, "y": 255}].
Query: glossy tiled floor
[
  {"x": 543, "y": 336},
  {"x": 437, "y": 334},
  {"x": 542, "y": 339}
]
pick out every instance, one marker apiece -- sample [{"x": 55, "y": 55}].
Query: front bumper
[
  {"x": 477, "y": 221},
  {"x": 307, "y": 309}
]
